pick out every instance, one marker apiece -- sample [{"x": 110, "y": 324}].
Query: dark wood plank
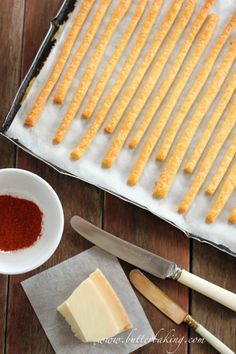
[
  {"x": 38, "y": 14},
  {"x": 25, "y": 334},
  {"x": 218, "y": 268},
  {"x": 11, "y": 19},
  {"x": 3, "y": 310},
  {"x": 144, "y": 229}
]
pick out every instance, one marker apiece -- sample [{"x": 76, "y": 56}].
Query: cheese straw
[
  {"x": 156, "y": 132},
  {"x": 232, "y": 217},
  {"x": 131, "y": 60},
  {"x": 223, "y": 166},
  {"x": 166, "y": 179},
  {"x": 42, "y": 98},
  {"x": 152, "y": 78},
  {"x": 91, "y": 69},
  {"x": 131, "y": 116},
  {"x": 211, "y": 124},
  {"x": 193, "y": 92},
  {"x": 139, "y": 74},
  {"x": 223, "y": 195},
  {"x": 107, "y": 103},
  {"x": 173, "y": 71},
  {"x": 209, "y": 159},
  {"x": 64, "y": 86},
  {"x": 107, "y": 72}
]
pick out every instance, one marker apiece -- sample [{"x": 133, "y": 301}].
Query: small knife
[
  {"x": 166, "y": 305},
  {"x": 150, "y": 262}
]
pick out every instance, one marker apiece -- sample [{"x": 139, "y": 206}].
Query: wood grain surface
[
  {"x": 145, "y": 230},
  {"x": 24, "y": 24},
  {"x": 12, "y": 24}
]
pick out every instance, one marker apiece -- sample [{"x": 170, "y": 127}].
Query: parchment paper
[
  {"x": 38, "y": 139},
  {"x": 49, "y": 289}
]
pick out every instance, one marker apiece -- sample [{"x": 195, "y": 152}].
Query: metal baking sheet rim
[
  {"x": 195, "y": 237},
  {"x": 65, "y": 9}
]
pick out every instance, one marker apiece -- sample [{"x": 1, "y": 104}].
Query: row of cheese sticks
[
  {"x": 157, "y": 41},
  {"x": 129, "y": 117}
]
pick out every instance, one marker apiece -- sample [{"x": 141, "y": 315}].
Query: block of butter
[{"x": 94, "y": 311}]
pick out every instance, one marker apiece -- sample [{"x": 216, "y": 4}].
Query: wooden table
[{"x": 24, "y": 24}]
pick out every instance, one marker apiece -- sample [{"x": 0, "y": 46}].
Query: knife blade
[
  {"x": 124, "y": 250},
  {"x": 150, "y": 262},
  {"x": 166, "y": 305},
  {"x": 157, "y": 297}
]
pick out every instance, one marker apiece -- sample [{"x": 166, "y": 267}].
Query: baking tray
[{"x": 40, "y": 58}]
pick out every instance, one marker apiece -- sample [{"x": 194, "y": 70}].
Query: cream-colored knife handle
[
  {"x": 214, "y": 292},
  {"x": 211, "y": 339}
]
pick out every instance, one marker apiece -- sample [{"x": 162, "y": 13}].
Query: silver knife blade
[{"x": 126, "y": 251}]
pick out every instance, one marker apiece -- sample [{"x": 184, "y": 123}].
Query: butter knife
[
  {"x": 150, "y": 262},
  {"x": 166, "y": 305}
]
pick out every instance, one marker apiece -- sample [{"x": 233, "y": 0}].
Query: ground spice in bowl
[{"x": 20, "y": 223}]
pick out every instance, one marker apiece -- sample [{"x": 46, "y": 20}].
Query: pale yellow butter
[{"x": 94, "y": 311}]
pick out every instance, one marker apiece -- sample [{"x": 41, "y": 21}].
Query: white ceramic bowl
[{"x": 27, "y": 185}]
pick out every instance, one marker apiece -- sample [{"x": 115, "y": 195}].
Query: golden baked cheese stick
[
  {"x": 107, "y": 72},
  {"x": 173, "y": 71},
  {"x": 67, "y": 80},
  {"x": 130, "y": 117},
  {"x": 91, "y": 69},
  {"x": 178, "y": 87},
  {"x": 211, "y": 124},
  {"x": 42, "y": 98},
  {"x": 108, "y": 101},
  {"x": 209, "y": 159},
  {"x": 152, "y": 78},
  {"x": 156, "y": 132},
  {"x": 131, "y": 60},
  {"x": 168, "y": 174},
  {"x": 223, "y": 167},
  {"x": 223, "y": 196},
  {"x": 142, "y": 69},
  {"x": 198, "y": 84},
  {"x": 232, "y": 217}
]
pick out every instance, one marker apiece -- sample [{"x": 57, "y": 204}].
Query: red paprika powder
[{"x": 20, "y": 223}]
